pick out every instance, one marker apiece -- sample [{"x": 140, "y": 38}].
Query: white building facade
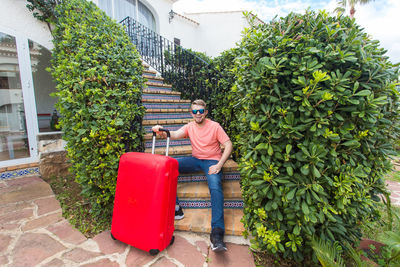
[{"x": 26, "y": 107}]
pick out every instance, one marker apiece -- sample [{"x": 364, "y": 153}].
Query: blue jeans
[{"x": 192, "y": 164}]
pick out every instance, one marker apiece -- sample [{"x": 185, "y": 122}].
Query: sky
[{"x": 379, "y": 18}]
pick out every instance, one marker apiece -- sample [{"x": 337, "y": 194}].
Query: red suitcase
[{"x": 145, "y": 196}]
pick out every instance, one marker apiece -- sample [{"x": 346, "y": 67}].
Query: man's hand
[
  {"x": 157, "y": 128},
  {"x": 214, "y": 169}
]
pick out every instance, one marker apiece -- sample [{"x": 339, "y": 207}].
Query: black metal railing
[{"x": 187, "y": 72}]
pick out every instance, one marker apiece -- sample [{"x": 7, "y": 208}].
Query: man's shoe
[
  {"x": 179, "y": 214},
  {"x": 217, "y": 240}
]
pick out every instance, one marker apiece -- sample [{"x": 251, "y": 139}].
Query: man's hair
[{"x": 199, "y": 102}]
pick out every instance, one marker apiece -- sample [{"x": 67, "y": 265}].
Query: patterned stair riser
[
  {"x": 227, "y": 176},
  {"x": 149, "y": 79},
  {"x": 166, "y": 116},
  {"x": 158, "y": 88},
  {"x": 161, "y": 96},
  {"x": 163, "y": 143},
  {"x": 149, "y": 74},
  {"x": 167, "y": 106},
  {"x": 206, "y": 204}
]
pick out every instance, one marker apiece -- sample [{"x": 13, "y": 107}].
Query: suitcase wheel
[
  {"x": 153, "y": 252},
  {"x": 172, "y": 240},
  {"x": 112, "y": 236}
]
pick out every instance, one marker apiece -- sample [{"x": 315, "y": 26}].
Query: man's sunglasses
[{"x": 194, "y": 111}]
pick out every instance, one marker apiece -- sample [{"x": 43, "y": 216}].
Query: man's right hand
[
  {"x": 157, "y": 128},
  {"x": 174, "y": 134}
]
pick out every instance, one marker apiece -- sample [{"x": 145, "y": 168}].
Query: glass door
[{"x": 15, "y": 144}]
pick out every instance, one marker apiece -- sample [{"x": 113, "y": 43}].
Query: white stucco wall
[
  {"x": 185, "y": 30},
  {"x": 218, "y": 31},
  {"x": 17, "y": 19}
]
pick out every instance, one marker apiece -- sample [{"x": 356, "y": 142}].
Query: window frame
[{"x": 28, "y": 93}]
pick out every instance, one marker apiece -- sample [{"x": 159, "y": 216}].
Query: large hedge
[
  {"x": 319, "y": 117},
  {"x": 99, "y": 79}
]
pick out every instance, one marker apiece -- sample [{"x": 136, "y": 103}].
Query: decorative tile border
[
  {"x": 164, "y": 97},
  {"x": 206, "y": 204},
  {"x": 158, "y": 88},
  {"x": 154, "y": 80},
  {"x": 19, "y": 173},
  {"x": 167, "y": 106},
  {"x": 163, "y": 116},
  {"x": 234, "y": 176},
  {"x": 152, "y": 74}
]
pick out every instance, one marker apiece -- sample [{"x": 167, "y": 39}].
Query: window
[
  {"x": 146, "y": 17},
  {"x": 43, "y": 84},
  {"x": 13, "y": 133},
  {"x": 120, "y": 9},
  {"x": 124, "y": 8}
]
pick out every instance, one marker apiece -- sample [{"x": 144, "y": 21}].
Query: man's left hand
[{"x": 214, "y": 169}]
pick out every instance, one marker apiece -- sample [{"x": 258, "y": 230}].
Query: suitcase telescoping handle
[{"x": 154, "y": 140}]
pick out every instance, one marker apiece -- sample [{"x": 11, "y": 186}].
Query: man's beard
[{"x": 201, "y": 120}]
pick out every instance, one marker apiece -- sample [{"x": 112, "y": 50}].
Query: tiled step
[
  {"x": 153, "y": 79},
  {"x": 165, "y": 101},
  {"x": 173, "y": 151},
  {"x": 173, "y": 112},
  {"x": 151, "y": 84},
  {"x": 160, "y": 95},
  {"x": 200, "y": 191},
  {"x": 153, "y": 121},
  {"x": 163, "y": 142},
  {"x": 171, "y": 127},
  {"x": 230, "y": 173},
  {"x": 199, "y": 220},
  {"x": 166, "y": 105},
  {"x": 182, "y": 150},
  {"x": 158, "y": 115},
  {"x": 147, "y": 72},
  {"x": 206, "y": 203}
]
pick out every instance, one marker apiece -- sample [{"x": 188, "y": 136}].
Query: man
[{"x": 205, "y": 136}]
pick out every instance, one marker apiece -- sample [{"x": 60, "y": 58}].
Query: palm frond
[
  {"x": 356, "y": 256},
  {"x": 328, "y": 255}
]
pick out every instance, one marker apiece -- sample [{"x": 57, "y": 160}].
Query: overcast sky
[{"x": 380, "y": 18}]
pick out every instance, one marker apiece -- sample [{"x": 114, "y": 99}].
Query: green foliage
[
  {"x": 187, "y": 71},
  {"x": 392, "y": 240},
  {"x": 99, "y": 79},
  {"x": 221, "y": 99},
  {"x": 75, "y": 208},
  {"x": 328, "y": 255},
  {"x": 319, "y": 116},
  {"x": 43, "y": 10}
]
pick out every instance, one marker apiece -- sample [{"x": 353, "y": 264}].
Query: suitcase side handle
[{"x": 153, "y": 146}]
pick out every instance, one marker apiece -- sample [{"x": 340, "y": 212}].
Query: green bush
[
  {"x": 319, "y": 118},
  {"x": 187, "y": 71},
  {"x": 223, "y": 102},
  {"x": 99, "y": 79}
]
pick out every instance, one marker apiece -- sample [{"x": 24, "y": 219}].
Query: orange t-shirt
[{"x": 206, "y": 140}]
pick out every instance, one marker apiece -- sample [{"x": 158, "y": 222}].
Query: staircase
[{"x": 166, "y": 108}]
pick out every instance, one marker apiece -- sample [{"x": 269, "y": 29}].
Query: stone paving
[{"x": 33, "y": 233}]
